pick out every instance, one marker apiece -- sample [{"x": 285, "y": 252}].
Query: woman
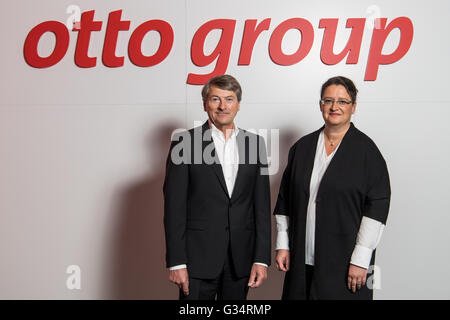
[{"x": 332, "y": 205}]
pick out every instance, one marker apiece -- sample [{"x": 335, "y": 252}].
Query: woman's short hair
[
  {"x": 343, "y": 81},
  {"x": 224, "y": 82}
]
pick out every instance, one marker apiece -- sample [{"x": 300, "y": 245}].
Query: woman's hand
[
  {"x": 282, "y": 260},
  {"x": 356, "y": 277}
]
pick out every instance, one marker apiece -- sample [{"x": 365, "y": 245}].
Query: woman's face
[{"x": 337, "y": 106}]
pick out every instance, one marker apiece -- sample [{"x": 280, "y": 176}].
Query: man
[{"x": 217, "y": 203}]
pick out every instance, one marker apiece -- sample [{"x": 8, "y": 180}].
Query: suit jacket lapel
[
  {"x": 216, "y": 166},
  {"x": 309, "y": 160}
]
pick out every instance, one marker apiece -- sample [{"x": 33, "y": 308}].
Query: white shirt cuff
[
  {"x": 282, "y": 232},
  {"x": 261, "y": 264},
  {"x": 282, "y": 241},
  {"x": 361, "y": 256},
  {"x": 180, "y": 266},
  {"x": 369, "y": 236}
]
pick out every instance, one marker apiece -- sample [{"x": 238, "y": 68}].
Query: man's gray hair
[{"x": 224, "y": 82}]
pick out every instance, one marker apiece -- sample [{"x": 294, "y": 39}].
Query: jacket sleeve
[
  {"x": 175, "y": 190},
  {"x": 282, "y": 205},
  {"x": 378, "y": 193},
  {"x": 262, "y": 208}
]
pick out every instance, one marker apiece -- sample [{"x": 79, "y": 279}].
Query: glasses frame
[{"x": 340, "y": 102}]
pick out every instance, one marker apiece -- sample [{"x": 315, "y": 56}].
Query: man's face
[{"x": 221, "y": 106}]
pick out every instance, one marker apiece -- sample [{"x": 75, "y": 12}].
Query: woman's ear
[{"x": 354, "y": 108}]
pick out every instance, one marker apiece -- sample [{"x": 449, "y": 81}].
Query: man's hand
[
  {"x": 257, "y": 275},
  {"x": 181, "y": 278},
  {"x": 282, "y": 260},
  {"x": 356, "y": 278}
]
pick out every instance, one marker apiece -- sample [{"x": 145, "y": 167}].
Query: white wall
[{"x": 83, "y": 150}]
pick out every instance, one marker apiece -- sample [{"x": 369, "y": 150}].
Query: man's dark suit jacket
[{"x": 201, "y": 220}]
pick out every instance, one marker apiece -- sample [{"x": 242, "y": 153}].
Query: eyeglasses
[
  {"x": 340, "y": 102},
  {"x": 216, "y": 100}
]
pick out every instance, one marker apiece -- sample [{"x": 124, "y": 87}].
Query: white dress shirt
[
  {"x": 228, "y": 153},
  {"x": 370, "y": 230}
]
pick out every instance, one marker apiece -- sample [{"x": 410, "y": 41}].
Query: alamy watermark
[
  {"x": 373, "y": 19},
  {"x": 73, "y": 21},
  {"x": 256, "y": 146},
  {"x": 374, "y": 277},
  {"x": 74, "y": 279}
]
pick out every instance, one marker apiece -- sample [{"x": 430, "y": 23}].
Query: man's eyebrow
[
  {"x": 215, "y": 95},
  {"x": 339, "y": 98}
]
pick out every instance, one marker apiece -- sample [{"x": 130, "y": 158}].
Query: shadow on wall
[
  {"x": 138, "y": 268},
  {"x": 273, "y": 286},
  {"x": 138, "y": 257}
]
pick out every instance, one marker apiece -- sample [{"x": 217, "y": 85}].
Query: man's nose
[{"x": 221, "y": 104}]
